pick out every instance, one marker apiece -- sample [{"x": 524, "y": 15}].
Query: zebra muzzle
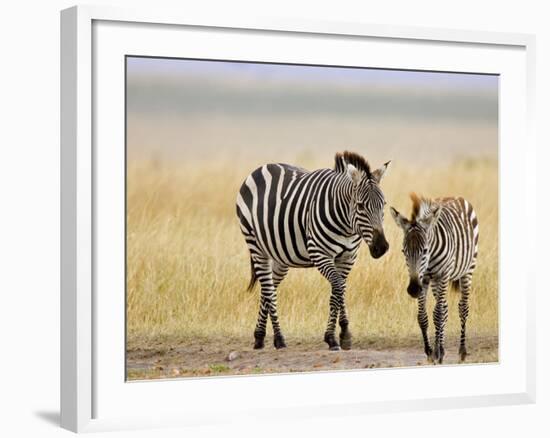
[
  {"x": 414, "y": 288},
  {"x": 379, "y": 245}
]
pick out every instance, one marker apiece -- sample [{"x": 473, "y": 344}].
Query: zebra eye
[{"x": 425, "y": 251}]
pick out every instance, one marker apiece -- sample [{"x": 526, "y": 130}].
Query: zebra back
[{"x": 456, "y": 235}]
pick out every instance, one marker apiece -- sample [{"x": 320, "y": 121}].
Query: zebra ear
[
  {"x": 378, "y": 174},
  {"x": 354, "y": 174},
  {"x": 399, "y": 219}
]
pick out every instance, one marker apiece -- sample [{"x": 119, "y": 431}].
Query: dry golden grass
[{"x": 188, "y": 265}]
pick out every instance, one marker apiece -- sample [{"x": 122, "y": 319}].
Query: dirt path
[{"x": 193, "y": 358}]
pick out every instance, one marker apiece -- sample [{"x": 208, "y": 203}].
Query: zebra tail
[
  {"x": 253, "y": 277},
  {"x": 455, "y": 285}
]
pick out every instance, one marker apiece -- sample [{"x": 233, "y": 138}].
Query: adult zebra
[
  {"x": 440, "y": 246},
  {"x": 291, "y": 217}
]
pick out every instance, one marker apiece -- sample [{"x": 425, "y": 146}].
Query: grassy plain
[{"x": 188, "y": 265}]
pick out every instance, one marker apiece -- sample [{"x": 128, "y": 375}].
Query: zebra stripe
[
  {"x": 291, "y": 217},
  {"x": 440, "y": 245}
]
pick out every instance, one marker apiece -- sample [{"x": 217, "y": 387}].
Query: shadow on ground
[{"x": 51, "y": 417}]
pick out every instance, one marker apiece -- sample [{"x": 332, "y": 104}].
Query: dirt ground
[{"x": 164, "y": 358}]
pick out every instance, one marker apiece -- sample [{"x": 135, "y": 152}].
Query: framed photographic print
[{"x": 325, "y": 210}]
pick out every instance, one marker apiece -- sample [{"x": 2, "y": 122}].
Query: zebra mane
[
  {"x": 341, "y": 160},
  {"x": 421, "y": 207}
]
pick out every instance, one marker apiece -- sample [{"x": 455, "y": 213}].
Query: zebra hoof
[
  {"x": 279, "y": 342},
  {"x": 331, "y": 341},
  {"x": 259, "y": 344},
  {"x": 462, "y": 353},
  {"x": 429, "y": 353},
  {"x": 345, "y": 342},
  {"x": 437, "y": 355},
  {"x": 259, "y": 341}
]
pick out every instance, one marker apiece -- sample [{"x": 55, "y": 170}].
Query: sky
[
  {"x": 178, "y": 107},
  {"x": 292, "y": 73},
  {"x": 177, "y": 86}
]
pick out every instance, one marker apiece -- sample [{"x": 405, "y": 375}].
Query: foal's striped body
[{"x": 440, "y": 246}]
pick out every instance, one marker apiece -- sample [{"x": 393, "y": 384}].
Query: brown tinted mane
[
  {"x": 416, "y": 200},
  {"x": 421, "y": 206},
  {"x": 351, "y": 158}
]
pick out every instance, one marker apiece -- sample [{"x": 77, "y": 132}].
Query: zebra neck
[
  {"x": 345, "y": 195},
  {"x": 433, "y": 240}
]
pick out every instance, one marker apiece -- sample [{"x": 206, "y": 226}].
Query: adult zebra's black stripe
[
  {"x": 440, "y": 245},
  {"x": 291, "y": 217}
]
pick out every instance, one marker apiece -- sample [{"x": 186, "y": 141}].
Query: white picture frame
[{"x": 91, "y": 393}]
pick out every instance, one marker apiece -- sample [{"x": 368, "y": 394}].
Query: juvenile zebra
[
  {"x": 291, "y": 217},
  {"x": 440, "y": 247}
]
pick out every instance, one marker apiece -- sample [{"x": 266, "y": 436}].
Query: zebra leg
[
  {"x": 440, "y": 319},
  {"x": 345, "y": 333},
  {"x": 336, "y": 297},
  {"x": 423, "y": 319},
  {"x": 263, "y": 271},
  {"x": 344, "y": 269},
  {"x": 463, "y": 310},
  {"x": 328, "y": 269},
  {"x": 279, "y": 273}
]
